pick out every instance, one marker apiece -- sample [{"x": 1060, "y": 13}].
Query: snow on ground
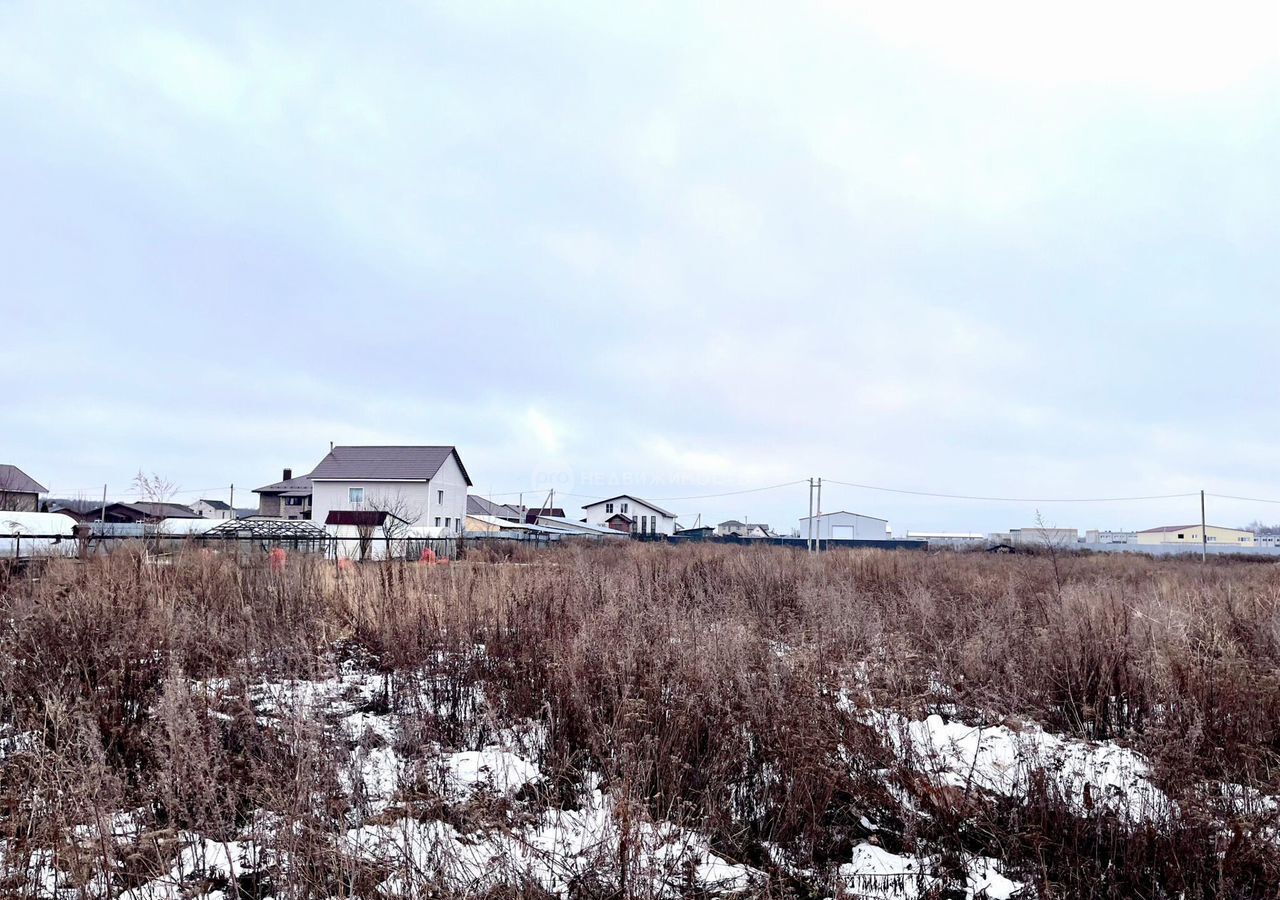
[
  {"x": 996, "y": 758},
  {"x": 558, "y": 851},
  {"x": 489, "y": 770},
  {"x": 876, "y": 874}
]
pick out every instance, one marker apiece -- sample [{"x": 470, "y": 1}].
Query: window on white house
[
  {"x": 448, "y": 522},
  {"x": 624, "y": 509},
  {"x": 644, "y": 524},
  {"x": 355, "y": 495},
  {"x": 608, "y": 507},
  {"x": 440, "y": 497}
]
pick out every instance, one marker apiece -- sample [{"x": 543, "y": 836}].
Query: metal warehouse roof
[
  {"x": 385, "y": 464},
  {"x": 843, "y": 512},
  {"x": 1169, "y": 528},
  {"x": 578, "y": 527}
]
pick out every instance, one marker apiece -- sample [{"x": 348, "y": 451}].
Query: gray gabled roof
[
  {"x": 16, "y": 481},
  {"x": 385, "y": 464},
  {"x": 216, "y": 504},
  {"x": 77, "y": 505},
  {"x": 479, "y": 506},
  {"x": 298, "y": 486},
  {"x": 165, "y": 510}
]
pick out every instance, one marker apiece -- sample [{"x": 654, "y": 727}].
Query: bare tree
[
  {"x": 402, "y": 513},
  {"x": 153, "y": 488}
]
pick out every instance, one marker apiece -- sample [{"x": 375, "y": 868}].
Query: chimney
[{"x": 288, "y": 473}]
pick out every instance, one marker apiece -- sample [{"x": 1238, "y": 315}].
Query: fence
[{"x": 355, "y": 547}]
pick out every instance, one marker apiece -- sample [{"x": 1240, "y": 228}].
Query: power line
[
  {"x": 770, "y": 487},
  {"x": 559, "y": 492},
  {"x": 1246, "y": 499},
  {"x": 873, "y": 487}
]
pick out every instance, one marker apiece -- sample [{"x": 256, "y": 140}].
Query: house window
[
  {"x": 440, "y": 497},
  {"x": 292, "y": 501},
  {"x": 355, "y": 495},
  {"x": 448, "y": 522},
  {"x": 437, "y": 521},
  {"x": 1179, "y": 537},
  {"x": 608, "y": 508},
  {"x": 644, "y": 524},
  {"x": 624, "y": 509}
]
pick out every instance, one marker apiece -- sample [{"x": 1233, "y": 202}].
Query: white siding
[
  {"x": 422, "y": 496},
  {"x": 845, "y": 526},
  {"x": 596, "y": 514}
]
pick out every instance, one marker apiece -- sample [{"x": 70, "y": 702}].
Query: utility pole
[
  {"x": 103, "y": 517},
  {"x": 819, "y": 545},
  {"x": 1204, "y": 532},
  {"x": 808, "y": 523},
  {"x": 232, "y": 502}
]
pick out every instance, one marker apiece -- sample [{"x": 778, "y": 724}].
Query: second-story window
[
  {"x": 440, "y": 497},
  {"x": 608, "y": 507},
  {"x": 355, "y": 495}
]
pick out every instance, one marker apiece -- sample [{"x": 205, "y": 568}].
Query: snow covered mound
[
  {"x": 1090, "y": 776},
  {"x": 877, "y": 874},
  {"x": 489, "y": 770}
]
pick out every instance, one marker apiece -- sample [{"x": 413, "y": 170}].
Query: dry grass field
[{"x": 641, "y": 721}]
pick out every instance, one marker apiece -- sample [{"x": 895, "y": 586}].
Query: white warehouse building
[{"x": 844, "y": 526}]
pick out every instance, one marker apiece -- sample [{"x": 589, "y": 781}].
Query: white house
[
  {"x": 213, "y": 509},
  {"x": 742, "y": 529},
  {"x": 844, "y": 526},
  {"x": 631, "y": 514},
  {"x": 424, "y": 486}
]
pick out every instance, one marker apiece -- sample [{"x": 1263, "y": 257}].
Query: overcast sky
[{"x": 977, "y": 248}]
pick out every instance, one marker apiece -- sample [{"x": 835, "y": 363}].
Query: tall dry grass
[{"x": 701, "y": 684}]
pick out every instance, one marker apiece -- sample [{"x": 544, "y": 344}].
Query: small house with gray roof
[
  {"x": 213, "y": 509},
  {"x": 288, "y": 498}
]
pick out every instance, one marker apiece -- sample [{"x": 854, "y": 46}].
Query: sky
[{"x": 992, "y": 249}]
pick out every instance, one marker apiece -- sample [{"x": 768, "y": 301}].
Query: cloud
[{"x": 989, "y": 248}]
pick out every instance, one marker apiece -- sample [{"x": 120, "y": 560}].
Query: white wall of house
[
  {"x": 844, "y": 526},
  {"x": 647, "y": 519},
  {"x": 440, "y": 502},
  {"x": 205, "y": 511}
]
